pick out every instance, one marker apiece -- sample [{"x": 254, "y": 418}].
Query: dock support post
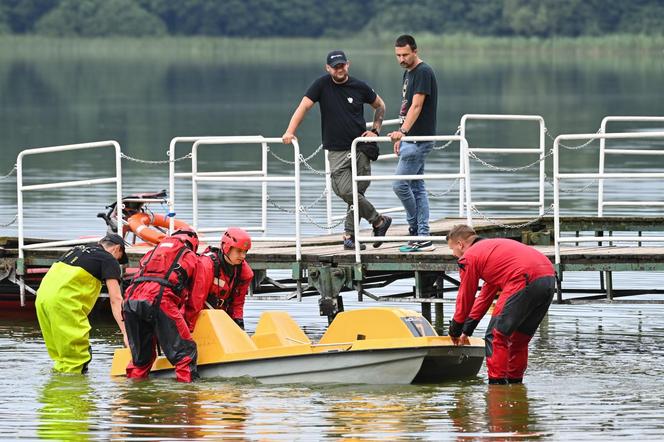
[
  {"x": 439, "y": 325},
  {"x": 609, "y": 285},
  {"x": 426, "y": 310},
  {"x": 425, "y": 288},
  {"x": 559, "y": 284},
  {"x": 329, "y": 281}
]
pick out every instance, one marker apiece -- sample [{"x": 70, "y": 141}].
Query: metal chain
[
  {"x": 435, "y": 195},
  {"x": 449, "y": 142},
  {"x": 311, "y": 168},
  {"x": 316, "y": 201},
  {"x": 138, "y": 160},
  {"x": 580, "y": 146},
  {"x": 313, "y": 154},
  {"x": 495, "y": 222},
  {"x": 8, "y": 174},
  {"x": 281, "y": 159},
  {"x": 323, "y": 226},
  {"x": 549, "y": 181},
  {"x": 10, "y": 222},
  {"x": 305, "y": 212},
  {"x": 508, "y": 169}
]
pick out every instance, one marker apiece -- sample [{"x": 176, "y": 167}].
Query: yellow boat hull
[{"x": 374, "y": 345}]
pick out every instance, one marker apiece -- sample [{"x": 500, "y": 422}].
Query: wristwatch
[
  {"x": 403, "y": 131},
  {"x": 374, "y": 130}
]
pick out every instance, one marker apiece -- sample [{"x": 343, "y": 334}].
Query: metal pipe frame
[
  {"x": 328, "y": 180},
  {"x": 264, "y": 142},
  {"x": 603, "y": 151},
  {"x": 507, "y": 150},
  {"x": 172, "y": 174},
  {"x": 355, "y": 179},
  {"x": 557, "y": 176},
  {"x": 20, "y": 188}
]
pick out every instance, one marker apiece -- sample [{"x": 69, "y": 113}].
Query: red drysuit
[{"x": 526, "y": 281}]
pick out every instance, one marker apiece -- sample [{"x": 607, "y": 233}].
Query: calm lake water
[{"x": 595, "y": 371}]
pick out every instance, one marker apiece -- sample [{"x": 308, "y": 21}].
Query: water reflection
[
  {"x": 165, "y": 410},
  {"x": 508, "y": 411},
  {"x": 67, "y": 404},
  {"x": 503, "y": 412}
]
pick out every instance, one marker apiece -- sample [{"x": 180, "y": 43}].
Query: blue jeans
[{"x": 412, "y": 193}]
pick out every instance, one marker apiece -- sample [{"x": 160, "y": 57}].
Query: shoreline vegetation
[{"x": 294, "y": 49}]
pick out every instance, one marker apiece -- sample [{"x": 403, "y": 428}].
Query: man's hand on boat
[{"x": 461, "y": 340}]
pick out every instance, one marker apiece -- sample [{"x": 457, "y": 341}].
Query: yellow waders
[{"x": 64, "y": 300}]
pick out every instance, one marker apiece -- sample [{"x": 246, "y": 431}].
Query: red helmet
[
  {"x": 188, "y": 235},
  {"x": 235, "y": 237}
]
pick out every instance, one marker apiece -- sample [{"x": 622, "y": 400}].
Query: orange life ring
[{"x": 140, "y": 224}]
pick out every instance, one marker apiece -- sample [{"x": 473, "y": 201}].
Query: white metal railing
[
  {"x": 603, "y": 151},
  {"x": 20, "y": 189},
  {"x": 541, "y": 151},
  {"x": 464, "y": 177},
  {"x": 248, "y": 177},
  {"x": 328, "y": 180},
  {"x": 558, "y": 176},
  {"x": 172, "y": 175}
]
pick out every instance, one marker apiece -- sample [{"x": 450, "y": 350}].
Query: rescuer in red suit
[
  {"x": 525, "y": 281},
  {"x": 154, "y": 304},
  {"x": 223, "y": 277}
]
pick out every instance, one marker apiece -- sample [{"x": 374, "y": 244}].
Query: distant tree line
[{"x": 320, "y": 18}]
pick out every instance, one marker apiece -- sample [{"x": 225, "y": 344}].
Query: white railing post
[
  {"x": 328, "y": 192},
  {"x": 556, "y": 202},
  {"x": 542, "y": 169},
  {"x": 264, "y": 149},
  {"x": 463, "y": 155},
  {"x": 466, "y": 181}
]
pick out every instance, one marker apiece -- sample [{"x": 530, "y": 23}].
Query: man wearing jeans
[{"x": 419, "y": 99}]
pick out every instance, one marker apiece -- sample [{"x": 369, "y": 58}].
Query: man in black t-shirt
[
  {"x": 341, "y": 99},
  {"x": 419, "y": 99},
  {"x": 67, "y": 294}
]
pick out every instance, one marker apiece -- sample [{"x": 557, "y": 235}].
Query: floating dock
[
  {"x": 319, "y": 265},
  {"x": 326, "y": 269}
]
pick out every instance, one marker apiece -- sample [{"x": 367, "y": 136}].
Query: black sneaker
[
  {"x": 349, "y": 244},
  {"x": 382, "y": 229},
  {"x": 417, "y": 246}
]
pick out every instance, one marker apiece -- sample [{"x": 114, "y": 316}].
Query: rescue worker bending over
[
  {"x": 223, "y": 276},
  {"x": 526, "y": 281},
  {"x": 152, "y": 307},
  {"x": 67, "y": 294}
]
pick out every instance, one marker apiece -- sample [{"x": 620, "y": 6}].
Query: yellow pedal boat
[{"x": 378, "y": 345}]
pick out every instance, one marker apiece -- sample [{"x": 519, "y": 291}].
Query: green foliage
[
  {"x": 4, "y": 27},
  {"x": 339, "y": 19},
  {"x": 21, "y": 15},
  {"x": 99, "y": 18}
]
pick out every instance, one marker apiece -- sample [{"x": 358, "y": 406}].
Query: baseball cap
[
  {"x": 336, "y": 58},
  {"x": 117, "y": 239}
]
